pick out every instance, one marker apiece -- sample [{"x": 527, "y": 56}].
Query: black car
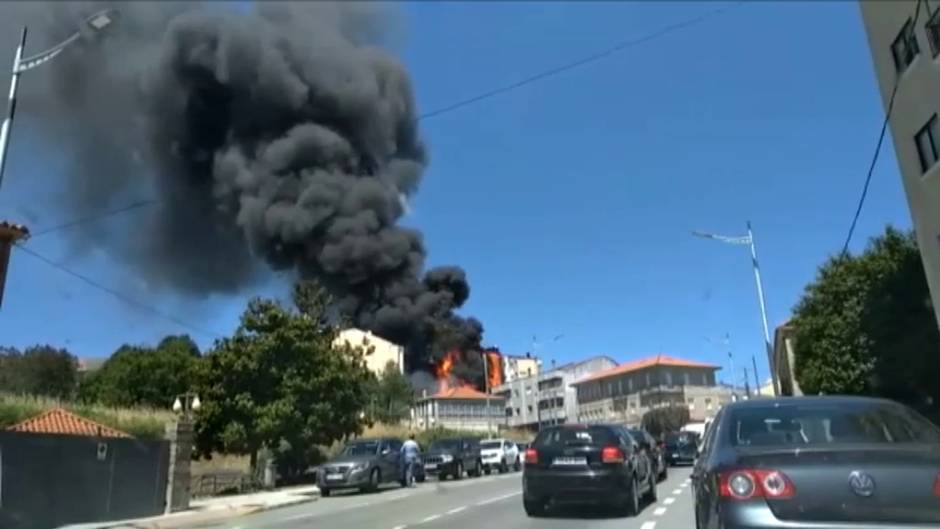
[
  {"x": 681, "y": 448},
  {"x": 364, "y": 464},
  {"x": 452, "y": 457},
  {"x": 586, "y": 464},
  {"x": 654, "y": 451},
  {"x": 821, "y": 462}
]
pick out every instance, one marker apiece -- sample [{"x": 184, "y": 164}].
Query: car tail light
[
  {"x": 936, "y": 486},
  {"x": 612, "y": 454},
  {"x": 531, "y": 456},
  {"x": 744, "y": 484}
]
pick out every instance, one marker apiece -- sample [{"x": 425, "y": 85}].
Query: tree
[
  {"x": 659, "y": 421},
  {"x": 866, "y": 326},
  {"x": 391, "y": 396},
  {"x": 144, "y": 376},
  {"x": 280, "y": 381},
  {"x": 39, "y": 370}
]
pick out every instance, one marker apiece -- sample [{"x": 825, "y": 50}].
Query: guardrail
[{"x": 224, "y": 482}]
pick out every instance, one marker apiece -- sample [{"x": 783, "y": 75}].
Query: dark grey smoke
[{"x": 280, "y": 133}]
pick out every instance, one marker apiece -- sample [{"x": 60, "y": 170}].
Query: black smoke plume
[{"x": 280, "y": 133}]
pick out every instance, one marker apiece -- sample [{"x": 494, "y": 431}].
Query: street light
[
  {"x": 91, "y": 26},
  {"x": 186, "y": 403},
  {"x": 749, "y": 241}
]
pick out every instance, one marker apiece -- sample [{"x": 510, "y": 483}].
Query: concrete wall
[
  {"x": 383, "y": 351},
  {"x": 52, "y": 480},
  {"x": 917, "y": 99}
]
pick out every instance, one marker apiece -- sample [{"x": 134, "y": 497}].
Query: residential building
[
  {"x": 460, "y": 408},
  {"x": 547, "y": 397},
  {"x": 516, "y": 367},
  {"x": 905, "y": 48},
  {"x": 784, "y": 360},
  {"x": 379, "y": 351},
  {"x": 624, "y": 393}
]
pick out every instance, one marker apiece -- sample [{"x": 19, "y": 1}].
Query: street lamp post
[
  {"x": 185, "y": 404},
  {"x": 92, "y": 25},
  {"x": 749, "y": 241}
]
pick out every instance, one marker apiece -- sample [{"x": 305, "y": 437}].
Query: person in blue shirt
[{"x": 409, "y": 457}]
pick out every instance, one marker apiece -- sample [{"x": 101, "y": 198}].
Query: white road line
[
  {"x": 648, "y": 525},
  {"x": 659, "y": 511},
  {"x": 687, "y": 480},
  {"x": 498, "y": 498},
  {"x": 684, "y": 485},
  {"x": 430, "y": 518},
  {"x": 295, "y": 517},
  {"x": 668, "y": 501},
  {"x": 399, "y": 527},
  {"x": 455, "y": 511},
  {"x": 677, "y": 491}
]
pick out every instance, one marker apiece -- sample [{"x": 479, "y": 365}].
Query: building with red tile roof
[
  {"x": 63, "y": 422},
  {"x": 460, "y": 408}
]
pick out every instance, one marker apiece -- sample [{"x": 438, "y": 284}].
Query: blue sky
[{"x": 570, "y": 202}]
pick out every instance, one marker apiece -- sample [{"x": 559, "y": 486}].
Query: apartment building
[
  {"x": 379, "y": 351},
  {"x": 522, "y": 366},
  {"x": 624, "y": 393},
  {"x": 904, "y": 37},
  {"x": 547, "y": 397},
  {"x": 460, "y": 408}
]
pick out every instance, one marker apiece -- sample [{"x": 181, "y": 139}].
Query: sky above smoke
[{"x": 280, "y": 137}]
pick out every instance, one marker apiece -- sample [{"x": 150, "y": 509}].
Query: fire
[
  {"x": 494, "y": 368},
  {"x": 443, "y": 371}
]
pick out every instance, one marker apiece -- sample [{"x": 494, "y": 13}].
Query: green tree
[
  {"x": 659, "y": 421},
  {"x": 391, "y": 396},
  {"x": 279, "y": 383},
  {"x": 144, "y": 376},
  {"x": 866, "y": 326},
  {"x": 39, "y": 370}
]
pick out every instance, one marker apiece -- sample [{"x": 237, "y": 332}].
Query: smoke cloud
[{"x": 277, "y": 136}]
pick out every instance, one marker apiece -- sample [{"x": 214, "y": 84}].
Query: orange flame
[
  {"x": 494, "y": 368},
  {"x": 443, "y": 373}
]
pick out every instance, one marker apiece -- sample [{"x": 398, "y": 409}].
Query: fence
[{"x": 51, "y": 480}]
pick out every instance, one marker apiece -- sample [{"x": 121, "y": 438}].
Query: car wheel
[
  {"x": 487, "y": 471},
  {"x": 533, "y": 508},
  {"x": 517, "y": 466},
  {"x": 651, "y": 495},
  {"x": 375, "y": 477},
  {"x": 325, "y": 493},
  {"x": 421, "y": 478},
  {"x": 458, "y": 474},
  {"x": 631, "y": 505},
  {"x": 665, "y": 473},
  {"x": 503, "y": 467},
  {"x": 477, "y": 469}
]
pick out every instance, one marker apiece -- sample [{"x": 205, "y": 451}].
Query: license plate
[
  {"x": 570, "y": 461},
  {"x": 334, "y": 477},
  {"x": 430, "y": 466}
]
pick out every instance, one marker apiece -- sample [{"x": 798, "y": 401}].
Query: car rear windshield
[
  {"x": 680, "y": 439},
  {"x": 828, "y": 423},
  {"x": 590, "y": 435},
  {"x": 490, "y": 445},
  {"x": 361, "y": 449}
]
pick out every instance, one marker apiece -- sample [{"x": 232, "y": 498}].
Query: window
[
  {"x": 933, "y": 30},
  {"x": 904, "y": 48},
  {"x": 928, "y": 143}
]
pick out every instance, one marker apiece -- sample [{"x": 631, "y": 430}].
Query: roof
[
  {"x": 461, "y": 393},
  {"x": 63, "y": 422},
  {"x": 572, "y": 365},
  {"x": 653, "y": 361},
  {"x": 831, "y": 400}
]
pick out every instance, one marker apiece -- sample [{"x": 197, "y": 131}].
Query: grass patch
[{"x": 143, "y": 423}]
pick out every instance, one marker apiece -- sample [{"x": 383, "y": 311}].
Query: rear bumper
[
  {"x": 594, "y": 486},
  {"x": 676, "y": 457},
  {"x": 436, "y": 469},
  {"x": 757, "y": 515}
]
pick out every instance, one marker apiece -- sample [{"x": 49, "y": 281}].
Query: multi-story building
[
  {"x": 515, "y": 367},
  {"x": 460, "y": 408},
  {"x": 904, "y": 37},
  {"x": 379, "y": 351},
  {"x": 547, "y": 397},
  {"x": 624, "y": 393}
]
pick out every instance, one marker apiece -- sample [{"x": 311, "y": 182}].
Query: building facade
[
  {"x": 547, "y": 397},
  {"x": 624, "y": 393},
  {"x": 379, "y": 351},
  {"x": 460, "y": 408},
  {"x": 905, "y": 48},
  {"x": 516, "y": 367}
]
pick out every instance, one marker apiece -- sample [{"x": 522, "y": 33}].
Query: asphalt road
[{"x": 489, "y": 502}]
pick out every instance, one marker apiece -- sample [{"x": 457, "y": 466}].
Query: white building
[
  {"x": 905, "y": 48},
  {"x": 379, "y": 352},
  {"x": 460, "y": 408}
]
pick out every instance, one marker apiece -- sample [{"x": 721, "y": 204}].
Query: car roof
[{"x": 816, "y": 399}]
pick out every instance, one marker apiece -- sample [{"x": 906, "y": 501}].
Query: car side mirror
[{"x": 386, "y": 451}]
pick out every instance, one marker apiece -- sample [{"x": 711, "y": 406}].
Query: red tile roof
[
  {"x": 463, "y": 392},
  {"x": 636, "y": 365},
  {"x": 60, "y": 421}
]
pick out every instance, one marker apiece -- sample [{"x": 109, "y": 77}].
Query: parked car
[
  {"x": 364, "y": 464},
  {"x": 499, "y": 454},
  {"x": 681, "y": 447},
  {"x": 821, "y": 462},
  {"x": 653, "y": 450},
  {"x": 452, "y": 457},
  {"x": 586, "y": 464}
]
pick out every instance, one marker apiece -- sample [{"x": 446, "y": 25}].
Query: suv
[
  {"x": 452, "y": 457},
  {"x": 499, "y": 454},
  {"x": 578, "y": 463},
  {"x": 364, "y": 464}
]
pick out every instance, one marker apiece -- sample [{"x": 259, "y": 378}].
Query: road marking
[
  {"x": 399, "y": 527},
  {"x": 677, "y": 491},
  {"x": 498, "y": 498},
  {"x": 292, "y": 518},
  {"x": 668, "y": 501},
  {"x": 687, "y": 480},
  {"x": 430, "y": 518},
  {"x": 684, "y": 485},
  {"x": 455, "y": 511},
  {"x": 659, "y": 511},
  {"x": 648, "y": 525}
]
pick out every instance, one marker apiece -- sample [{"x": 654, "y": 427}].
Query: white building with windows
[{"x": 904, "y": 37}]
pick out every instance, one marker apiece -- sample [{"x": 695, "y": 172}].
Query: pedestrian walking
[{"x": 409, "y": 456}]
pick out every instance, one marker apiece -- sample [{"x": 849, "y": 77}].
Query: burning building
[{"x": 460, "y": 408}]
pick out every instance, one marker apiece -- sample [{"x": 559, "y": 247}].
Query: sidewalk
[{"x": 206, "y": 511}]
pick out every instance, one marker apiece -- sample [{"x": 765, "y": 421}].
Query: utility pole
[
  {"x": 486, "y": 388},
  {"x": 756, "y": 380}
]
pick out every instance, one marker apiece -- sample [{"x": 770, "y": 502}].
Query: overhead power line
[
  {"x": 93, "y": 218},
  {"x": 881, "y": 139},
  {"x": 126, "y": 299}
]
